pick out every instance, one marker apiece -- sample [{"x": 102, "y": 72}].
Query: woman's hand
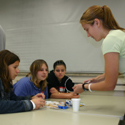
[
  {"x": 89, "y": 80},
  {"x": 95, "y": 79},
  {"x": 78, "y": 89}
]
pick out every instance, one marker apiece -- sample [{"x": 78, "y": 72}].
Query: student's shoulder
[
  {"x": 117, "y": 35},
  {"x": 22, "y": 83},
  {"x": 51, "y": 76},
  {"x": 66, "y": 78},
  {"x": 51, "y": 73},
  {"x": 23, "y": 80}
]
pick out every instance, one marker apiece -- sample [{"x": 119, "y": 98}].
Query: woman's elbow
[{"x": 111, "y": 87}]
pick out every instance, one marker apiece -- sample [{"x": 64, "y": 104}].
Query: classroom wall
[{"x": 50, "y": 30}]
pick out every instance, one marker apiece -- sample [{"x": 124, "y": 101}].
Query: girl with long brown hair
[{"x": 35, "y": 81}]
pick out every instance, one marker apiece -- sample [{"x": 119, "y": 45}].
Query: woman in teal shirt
[{"x": 99, "y": 23}]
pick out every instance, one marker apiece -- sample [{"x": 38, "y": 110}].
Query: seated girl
[
  {"x": 35, "y": 81},
  {"x": 59, "y": 85},
  {"x": 9, "y": 102}
]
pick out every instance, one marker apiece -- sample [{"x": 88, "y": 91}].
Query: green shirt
[{"x": 115, "y": 42}]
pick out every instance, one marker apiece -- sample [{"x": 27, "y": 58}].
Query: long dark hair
[{"x": 6, "y": 58}]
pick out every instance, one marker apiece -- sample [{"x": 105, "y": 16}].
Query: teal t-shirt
[{"x": 115, "y": 42}]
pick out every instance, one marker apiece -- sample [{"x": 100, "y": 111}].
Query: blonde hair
[
  {"x": 34, "y": 68},
  {"x": 102, "y": 13}
]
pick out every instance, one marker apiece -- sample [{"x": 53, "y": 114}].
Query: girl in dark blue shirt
[{"x": 9, "y": 102}]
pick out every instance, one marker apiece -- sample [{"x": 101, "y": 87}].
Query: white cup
[{"x": 76, "y": 104}]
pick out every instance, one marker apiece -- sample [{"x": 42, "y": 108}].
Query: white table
[{"x": 98, "y": 110}]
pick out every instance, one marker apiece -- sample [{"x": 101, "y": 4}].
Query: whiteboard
[{"x": 50, "y": 30}]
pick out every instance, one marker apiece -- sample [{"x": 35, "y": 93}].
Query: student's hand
[
  {"x": 78, "y": 89},
  {"x": 39, "y": 95},
  {"x": 72, "y": 95},
  {"x": 53, "y": 90},
  {"x": 38, "y": 102}
]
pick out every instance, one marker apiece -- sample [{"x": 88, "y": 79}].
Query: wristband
[
  {"x": 83, "y": 86},
  {"x": 89, "y": 87}
]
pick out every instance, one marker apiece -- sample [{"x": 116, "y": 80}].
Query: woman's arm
[
  {"x": 110, "y": 76},
  {"x": 99, "y": 78},
  {"x": 111, "y": 73},
  {"x": 95, "y": 79}
]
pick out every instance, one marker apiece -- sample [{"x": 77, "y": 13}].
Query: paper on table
[{"x": 52, "y": 104}]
